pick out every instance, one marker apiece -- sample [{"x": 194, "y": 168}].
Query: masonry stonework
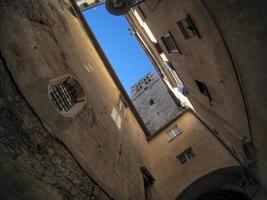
[{"x": 154, "y": 102}]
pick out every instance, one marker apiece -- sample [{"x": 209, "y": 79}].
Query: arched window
[{"x": 66, "y": 95}]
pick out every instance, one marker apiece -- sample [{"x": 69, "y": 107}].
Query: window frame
[
  {"x": 116, "y": 118},
  {"x": 80, "y": 96},
  {"x": 175, "y": 130},
  {"x": 185, "y": 30},
  {"x": 185, "y": 156},
  {"x": 171, "y": 38},
  {"x": 203, "y": 89}
]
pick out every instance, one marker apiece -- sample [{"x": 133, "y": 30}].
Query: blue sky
[{"x": 122, "y": 49}]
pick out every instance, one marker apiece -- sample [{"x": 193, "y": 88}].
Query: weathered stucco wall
[
  {"x": 172, "y": 177},
  {"x": 205, "y": 59},
  {"x": 33, "y": 163},
  {"x": 230, "y": 58},
  {"x": 202, "y": 60},
  {"x": 243, "y": 27},
  {"x": 41, "y": 41}
]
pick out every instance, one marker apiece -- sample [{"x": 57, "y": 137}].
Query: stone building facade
[{"x": 154, "y": 103}]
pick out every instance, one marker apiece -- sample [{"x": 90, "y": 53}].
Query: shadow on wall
[{"x": 223, "y": 184}]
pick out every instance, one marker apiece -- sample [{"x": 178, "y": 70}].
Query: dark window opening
[
  {"x": 158, "y": 48},
  {"x": 85, "y": 5},
  {"x": 203, "y": 89},
  {"x": 151, "y": 102},
  {"x": 187, "y": 155},
  {"x": 169, "y": 64},
  {"x": 141, "y": 12},
  {"x": 188, "y": 28},
  {"x": 170, "y": 43},
  {"x": 148, "y": 183}
]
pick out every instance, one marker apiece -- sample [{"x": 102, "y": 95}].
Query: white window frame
[
  {"x": 116, "y": 118},
  {"x": 173, "y": 133}
]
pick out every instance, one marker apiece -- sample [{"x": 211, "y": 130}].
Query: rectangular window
[
  {"x": 170, "y": 43},
  {"x": 187, "y": 155},
  {"x": 203, "y": 89},
  {"x": 188, "y": 28},
  {"x": 116, "y": 118},
  {"x": 175, "y": 131},
  {"x": 148, "y": 183},
  {"x": 122, "y": 105},
  {"x": 158, "y": 48},
  {"x": 151, "y": 102}
]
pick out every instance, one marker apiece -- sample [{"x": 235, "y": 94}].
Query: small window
[
  {"x": 147, "y": 175},
  {"x": 203, "y": 89},
  {"x": 158, "y": 48},
  {"x": 175, "y": 131},
  {"x": 85, "y": 5},
  {"x": 151, "y": 102},
  {"x": 188, "y": 28},
  {"x": 122, "y": 105},
  {"x": 116, "y": 118},
  {"x": 187, "y": 155},
  {"x": 148, "y": 183},
  {"x": 66, "y": 95},
  {"x": 170, "y": 43}
]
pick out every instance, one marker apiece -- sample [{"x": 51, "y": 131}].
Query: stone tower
[{"x": 154, "y": 102}]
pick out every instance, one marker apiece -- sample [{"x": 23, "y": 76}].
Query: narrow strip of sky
[{"x": 121, "y": 48}]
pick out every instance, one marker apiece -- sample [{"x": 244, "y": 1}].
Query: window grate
[
  {"x": 63, "y": 96},
  {"x": 187, "y": 155}
]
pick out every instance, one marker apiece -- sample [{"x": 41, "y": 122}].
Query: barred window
[
  {"x": 66, "y": 95},
  {"x": 187, "y": 155},
  {"x": 63, "y": 96}
]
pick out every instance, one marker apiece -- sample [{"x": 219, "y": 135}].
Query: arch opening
[{"x": 223, "y": 195}]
